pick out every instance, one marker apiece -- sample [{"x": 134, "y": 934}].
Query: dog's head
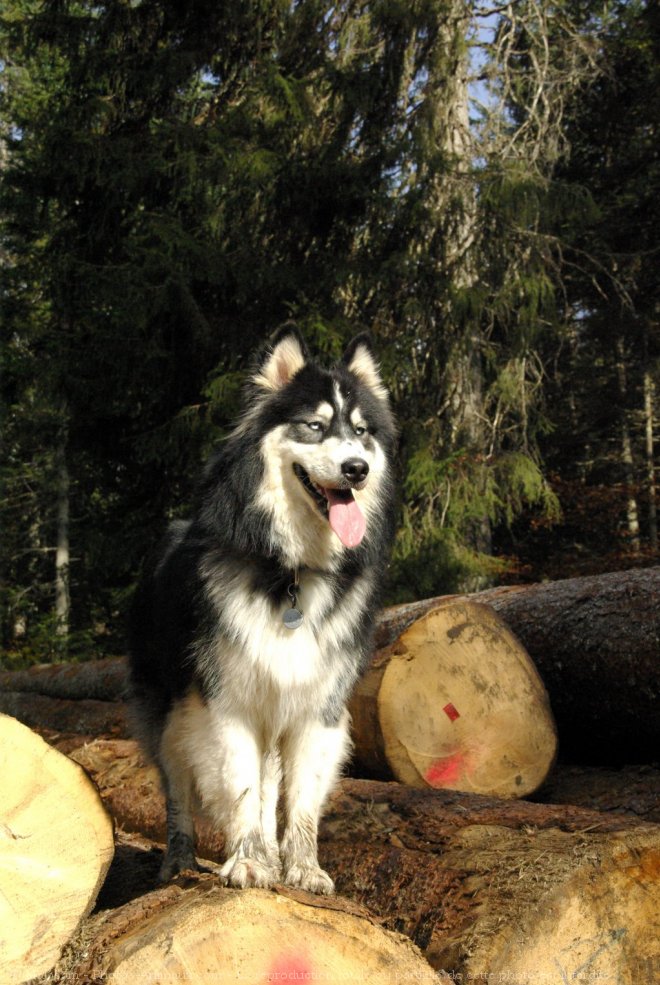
[{"x": 327, "y": 434}]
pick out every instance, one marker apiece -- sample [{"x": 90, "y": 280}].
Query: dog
[{"x": 252, "y": 625}]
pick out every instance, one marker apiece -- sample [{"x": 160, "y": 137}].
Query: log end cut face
[
  {"x": 462, "y": 706},
  {"x": 56, "y": 845},
  {"x": 222, "y": 935}
]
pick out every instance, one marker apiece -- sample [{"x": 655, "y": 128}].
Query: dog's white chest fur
[{"x": 267, "y": 669}]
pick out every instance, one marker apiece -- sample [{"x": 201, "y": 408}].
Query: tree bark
[
  {"x": 84, "y": 716},
  {"x": 62, "y": 552},
  {"x": 455, "y": 702},
  {"x": 199, "y": 932},
  {"x": 649, "y": 420},
  {"x": 130, "y": 789},
  {"x": 102, "y": 680},
  {"x": 633, "y": 790},
  {"x": 56, "y": 845},
  {"x": 488, "y": 892},
  {"x": 627, "y": 458}
]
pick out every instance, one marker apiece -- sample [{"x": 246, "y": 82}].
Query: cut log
[
  {"x": 56, "y": 844},
  {"x": 201, "y": 933},
  {"x": 130, "y": 789},
  {"x": 633, "y": 790},
  {"x": 102, "y": 680},
  {"x": 488, "y": 888},
  {"x": 475, "y": 882},
  {"x": 455, "y": 702},
  {"x": 528, "y": 904},
  {"x": 86, "y": 716},
  {"x": 596, "y": 644}
]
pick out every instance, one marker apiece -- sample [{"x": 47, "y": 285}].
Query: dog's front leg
[
  {"x": 232, "y": 795},
  {"x": 311, "y": 757}
]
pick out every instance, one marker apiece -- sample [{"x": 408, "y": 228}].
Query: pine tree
[
  {"x": 179, "y": 179},
  {"x": 612, "y": 288}
]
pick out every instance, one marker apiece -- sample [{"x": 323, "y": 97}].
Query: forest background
[{"x": 477, "y": 184}]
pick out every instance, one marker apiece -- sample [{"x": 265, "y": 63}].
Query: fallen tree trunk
[
  {"x": 455, "y": 702},
  {"x": 102, "y": 680},
  {"x": 481, "y": 885},
  {"x": 633, "y": 790},
  {"x": 130, "y": 789},
  {"x": 201, "y": 933},
  {"x": 56, "y": 844},
  {"x": 85, "y": 716}
]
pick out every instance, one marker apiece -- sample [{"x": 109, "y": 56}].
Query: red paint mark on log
[
  {"x": 451, "y": 712},
  {"x": 288, "y": 967},
  {"x": 445, "y": 771}
]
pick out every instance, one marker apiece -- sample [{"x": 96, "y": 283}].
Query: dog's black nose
[{"x": 355, "y": 469}]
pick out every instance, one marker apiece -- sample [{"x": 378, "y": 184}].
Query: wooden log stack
[
  {"x": 483, "y": 886},
  {"x": 460, "y": 706}
]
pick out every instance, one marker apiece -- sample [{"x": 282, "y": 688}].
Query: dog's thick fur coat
[{"x": 231, "y": 704}]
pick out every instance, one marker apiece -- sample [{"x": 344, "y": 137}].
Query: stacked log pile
[{"x": 459, "y": 706}]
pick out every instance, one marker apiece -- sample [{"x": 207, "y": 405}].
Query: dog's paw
[
  {"x": 172, "y": 865},
  {"x": 310, "y": 877},
  {"x": 249, "y": 872}
]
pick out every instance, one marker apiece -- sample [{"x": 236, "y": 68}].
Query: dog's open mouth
[{"x": 339, "y": 506}]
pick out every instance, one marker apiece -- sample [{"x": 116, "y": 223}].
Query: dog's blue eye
[
  {"x": 315, "y": 425},
  {"x": 360, "y": 429}
]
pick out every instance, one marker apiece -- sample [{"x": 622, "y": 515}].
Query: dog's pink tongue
[{"x": 345, "y": 517}]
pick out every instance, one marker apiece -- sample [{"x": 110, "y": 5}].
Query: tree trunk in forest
[
  {"x": 56, "y": 844},
  {"x": 62, "y": 553},
  {"x": 201, "y": 933},
  {"x": 456, "y": 194},
  {"x": 455, "y": 702},
  {"x": 627, "y": 458},
  {"x": 649, "y": 420}
]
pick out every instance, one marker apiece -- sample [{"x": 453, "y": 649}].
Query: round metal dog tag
[{"x": 292, "y": 618}]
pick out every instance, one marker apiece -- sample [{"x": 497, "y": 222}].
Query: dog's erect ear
[
  {"x": 285, "y": 356},
  {"x": 359, "y": 358}
]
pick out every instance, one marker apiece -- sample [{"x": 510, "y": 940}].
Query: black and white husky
[{"x": 255, "y": 622}]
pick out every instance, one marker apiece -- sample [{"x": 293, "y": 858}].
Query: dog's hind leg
[
  {"x": 177, "y": 781},
  {"x": 311, "y": 757},
  {"x": 180, "y": 835}
]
